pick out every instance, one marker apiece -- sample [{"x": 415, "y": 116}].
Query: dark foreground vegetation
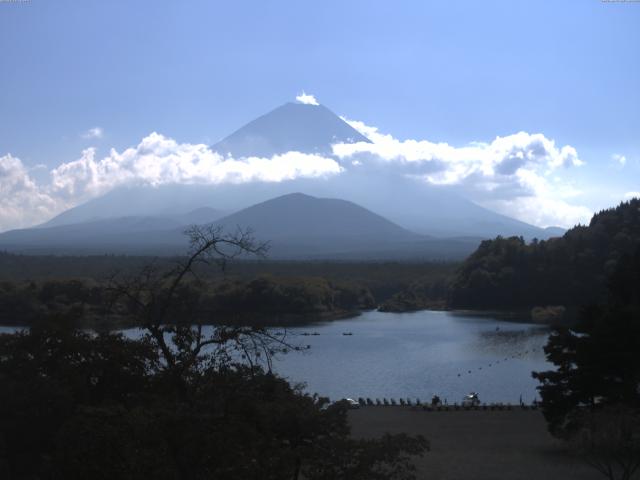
[
  {"x": 75, "y": 405},
  {"x": 176, "y": 403},
  {"x": 592, "y": 398}
]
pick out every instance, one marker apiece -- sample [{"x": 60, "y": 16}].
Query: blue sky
[{"x": 454, "y": 72}]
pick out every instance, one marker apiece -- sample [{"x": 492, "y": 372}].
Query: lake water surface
[{"x": 416, "y": 355}]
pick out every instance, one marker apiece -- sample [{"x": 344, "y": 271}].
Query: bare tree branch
[{"x": 152, "y": 297}]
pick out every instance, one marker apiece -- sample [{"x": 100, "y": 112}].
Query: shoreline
[{"x": 303, "y": 320}]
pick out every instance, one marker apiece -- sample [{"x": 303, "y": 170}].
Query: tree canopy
[
  {"x": 511, "y": 273},
  {"x": 596, "y": 361}
]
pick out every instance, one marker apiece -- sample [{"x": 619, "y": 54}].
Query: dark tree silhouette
[
  {"x": 181, "y": 402},
  {"x": 597, "y": 361},
  {"x": 569, "y": 270},
  {"x": 592, "y": 399}
]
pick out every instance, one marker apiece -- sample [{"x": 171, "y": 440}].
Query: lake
[{"x": 416, "y": 355}]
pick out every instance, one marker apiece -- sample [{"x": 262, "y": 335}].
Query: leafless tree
[{"x": 161, "y": 302}]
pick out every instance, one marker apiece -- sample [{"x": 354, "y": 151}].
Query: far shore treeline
[
  {"x": 546, "y": 279},
  {"x": 252, "y": 292}
]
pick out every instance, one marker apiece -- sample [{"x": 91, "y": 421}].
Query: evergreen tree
[{"x": 598, "y": 362}]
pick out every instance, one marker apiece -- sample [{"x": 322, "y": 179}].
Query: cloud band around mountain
[
  {"x": 157, "y": 160},
  {"x": 515, "y": 175}
]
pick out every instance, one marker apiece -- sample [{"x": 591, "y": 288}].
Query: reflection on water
[
  {"x": 418, "y": 355},
  {"x": 415, "y": 355}
]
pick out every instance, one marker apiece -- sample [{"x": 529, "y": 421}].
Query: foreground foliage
[
  {"x": 176, "y": 402},
  {"x": 76, "y": 405},
  {"x": 592, "y": 399}
]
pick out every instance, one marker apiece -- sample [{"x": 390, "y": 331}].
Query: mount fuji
[
  {"x": 126, "y": 216},
  {"x": 291, "y": 127}
]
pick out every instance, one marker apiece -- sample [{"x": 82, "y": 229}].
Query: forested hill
[{"x": 571, "y": 270}]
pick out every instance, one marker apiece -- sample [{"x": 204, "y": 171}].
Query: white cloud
[
  {"x": 157, "y": 160},
  {"x": 95, "y": 132},
  {"x": 22, "y": 202},
  {"x": 517, "y": 175},
  {"x": 161, "y": 160},
  {"x": 630, "y": 195},
  {"x": 505, "y": 155},
  {"x": 542, "y": 209},
  {"x": 307, "y": 99},
  {"x": 619, "y": 159}
]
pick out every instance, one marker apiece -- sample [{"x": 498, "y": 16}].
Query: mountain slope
[
  {"x": 178, "y": 202},
  {"x": 301, "y": 226},
  {"x": 297, "y": 226},
  {"x": 299, "y": 216},
  {"x": 422, "y": 208},
  {"x": 290, "y": 127},
  {"x": 413, "y": 205},
  {"x": 95, "y": 236},
  {"x": 109, "y": 234}
]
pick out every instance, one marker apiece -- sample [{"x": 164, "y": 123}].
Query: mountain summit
[{"x": 291, "y": 127}]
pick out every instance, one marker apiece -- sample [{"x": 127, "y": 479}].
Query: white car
[
  {"x": 352, "y": 403},
  {"x": 471, "y": 400}
]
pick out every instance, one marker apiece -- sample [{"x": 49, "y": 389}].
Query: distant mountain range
[
  {"x": 163, "y": 234},
  {"x": 297, "y": 226},
  {"x": 411, "y": 218},
  {"x": 184, "y": 203}
]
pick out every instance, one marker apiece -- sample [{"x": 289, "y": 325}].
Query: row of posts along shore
[{"x": 444, "y": 407}]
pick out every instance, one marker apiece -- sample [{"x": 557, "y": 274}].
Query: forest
[
  {"x": 264, "y": 300},
  {"x": 509, "y": 273},
  {"x": 591, "y": 398},
  {"x": 246, "y": 291}
]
